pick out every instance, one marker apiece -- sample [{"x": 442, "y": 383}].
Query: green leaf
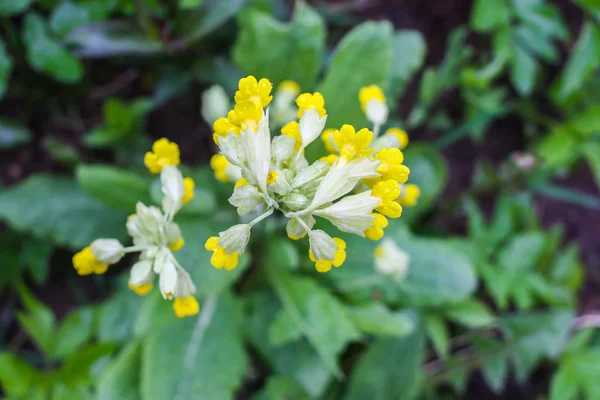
[
  {"x": 56, "y": 208},
  {"x": 13, "y": 7},
  {"x": 205, "y": 354},
  {"x": 120, "y": 378},
  {"x": 522, "y": 252},
  {"x": 376, "y": 319},
  {"x": 211, "y": 16},
  {"x": 438, "y": 333},
  {"x": 471, "y": 313},
  {"x": 16, "y": 376},
  {"x": 592, "y": 155},
  {"x": 38, "y": 321},
  {"x": 316, "y": 313},
  {"x": 119, "y": 117},
  {"x": 283, "y": 253},
  {"x": 268, "y": 48},
  {"x": 190, "y": 4},
  {"x": 583, "y": 61},
  {"x": 489, "y": 15},
  {"x": 74, "y": 331},
  {"x": 68, "y": 16},
  {"x": 117, "y": 315},
  {"x": 363, "y": 57},
  {"x": 35, "y": 257},
  {"x": 78, "y": 366},
  {"x": 409, "y": 48},
  {"x": 6, "y": 65},
  {"x": 524, "y": 70},
  {"x": 389, "y": 369},
  {"x": 281, "y": 387},
  {"x": 47, "y": 55},
  {"x": 12, "y": 133},
  {"x": 563, "y": 385},
  {"x": 494, "y": 363},
  {"x": 114, "y": 187}
]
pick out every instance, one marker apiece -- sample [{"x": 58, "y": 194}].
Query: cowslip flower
[
  {"x": 276, "y": 177},
  {"x": 155, "y": 237}
]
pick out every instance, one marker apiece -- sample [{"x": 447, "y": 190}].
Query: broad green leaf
[
  {"x": 68, "y": 16},
  {"x": 376, "y": 319},
  {"x": 521, "y": 252},
  {"x": 12, "y": 133},
  {"x": 117, "y": 315},
  {"x": 35, "y": 257},
  {"x": 558, "y": 148},
  {"x": 56, "y": 208},
  {"x": 120, "y": 378},
  {"x": 590, "y": 6},
  {"x": 563, "y": 385},
  {"x": 79, "y": 391},
  {"x": 409, "y": 48},
  {"x": 535, "y": 336},
  {"x": 583, "y": 61},
  {"x": 114, "y": 187},
  {"x": 532, "y": 41},
  {"x": 78, "y": 366},
  {"x": 524, "y": 70},
  {"x": 208, "y": 18},
  {"x": 38, "y": 320},
  {"x": 271, "y": 49},
  {"x": 46, "y": 54},
  {"x": 439, "y": 334},
  {"x": 282, "y": 253},
  {"x": 13, "y": 7},
  {"x": 298, "y": 359},
  {"x": 542, "y": 17},
  {"x": 281, "y": 387},
  {"x": 205, "y": 354},
  {"x": 488, "y": 15},
  {"x": 363, "y": 57},
  {"x": 472, "y": 313},
  {"x": 6, "y": 65},
  {"x": 316, "y": 313},
  {"x": 74, "y": 331},
  {"x": 389, "y": 369},
  {"x": 16, "y": 375},
  {"x": 494, "y": 363}
]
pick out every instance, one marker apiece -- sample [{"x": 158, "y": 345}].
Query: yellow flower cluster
[{"x": 86, "y": 263}]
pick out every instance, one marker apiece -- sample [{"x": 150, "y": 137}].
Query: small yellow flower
[
  {"x": 308, "y": 101},
  {"x": 256, "y": 92},
  {"x": 176, "y": 246},
  {"x": 220, "y": 259},
  {"x": 369, "y": 93},
  {"x": 246, "y": 114},
  {"x": 222, "y": 128},
  {"x": 188, "y": 190},
  {"x": 399, "y": 135},
  {"x": 289, "y": 86},
  {"x": 375, "y": 232},
  {"x": 163, "y": 154},
  {"x": 292, "y": 130},
  {"x": 272, "y": 177},
  {"x": 409, "y": 195},
  {"x": 141, "y": 290},
  {"x": 219, "y": 164},
  {"x": 391, "y": 166},
  {"x": 330, "y": 159},
  {"x": 338, "y": 258},
  {"x": 241, "y": 182},
  {"x": 186, "y": 306},
  {"x": 352, "y": 144},
  {"x": 86, "y": 263},
  {"x": 327, "y": 138},
  {"x": 388, "y": 191}
]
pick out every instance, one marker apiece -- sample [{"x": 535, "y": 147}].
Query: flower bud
[
  {"x": 185, "y": 286},
  {"x": 282, "y": 149},
  {"x": 322, "y": 245},
  {"x": 311, "y": 126},
  {"x": 141, "y": 273},
  {"x": 107, "y": 251},
  {"x": 173, "y": 189},
  {"x": 295, "y": 201},
  {"x": 310, "y": 175},
  {"x": 246, "y": 199},
  {"x": 169, "y": 278},
  {"x": 215, "y": 103},
  {"x": 296, "y": 231},
  {"x": 235, "y": 239}
]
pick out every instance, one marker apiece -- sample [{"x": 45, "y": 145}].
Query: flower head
[
  {"x": 258, "y": 92},
  {"x": 308, "y": 101},
  {"x": 352, "y": 144},
  {"x": 163, "y": 154},
  {"x": 373, "y": 104},
  {"x": 186, "y": 306}
]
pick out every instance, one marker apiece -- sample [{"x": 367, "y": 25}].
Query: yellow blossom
[
  {"x": 222, "y": 128},
  {"x": 308, "y": 101},
  {"x": 399, "y": 135},
  {"x": 369, "y": 93},
  {"x": 86, "y": 263},
  {"x": 220, "y": 259},
  {"x": 163, "y": 154},
  {"x": 338, "y": 258},
  {"x": 327, "y": 138},
  {"x": 186, "y": 306},
  {"x": 409, "y": 195},
  {"x": 289, "y": 86},
  {"x": 141, "y": 290},
  {"x": 176, "y": 246},
  {"x": 375, "y": 232},
  {"x": 219, "y": 164},
  {"x": 352, "y": 144},
  {"x": 246, "y": 115},
  {"x": 292, "y": 130},
  {"x": 257, "y": 92},
  {"x": 188, "y": 190},
  {"x": 388, "y": 191}
]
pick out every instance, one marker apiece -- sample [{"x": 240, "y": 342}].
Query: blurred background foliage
[{"x": 501, "y": 99}]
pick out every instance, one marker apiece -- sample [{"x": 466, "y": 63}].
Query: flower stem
[{"x": 261, "y": 217}]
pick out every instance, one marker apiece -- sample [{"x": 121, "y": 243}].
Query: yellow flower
[
  {"x": 409, "y": 195},
  {"x": 308, "y": 101},
  {"x": 388, "y": 191},
  {"x": 176, "y": 246},
  {"x": 246, "y": 114},
  {"x": 369, "y": 93},
  {"x": 292, "y": 130},
  {"x": 257, "y": 92},
  {"x": 327, "y": 138},
  {"x": 186, "y": 306},
  {"x": 220, "y": 259},
  {"x": 352, "y": 144},
  {"x": 330, "y": 159},
  {"x": 272, "y": 177},
  {"x": 375, "y": 232},
  {"x": 289, "y": 86},
  {"x": 141, "y": 290},
  {"x": 391, "y": 166},
  {"x": 399, "y": 135},
  {"x": 338, "y": 258},
  {"x": 188, "y": 190},
  {"x": 222, "y": 128},
  {"x": 163, "y": 154},
  {"x": 241, "y": 182},
  {"x": 219, "y": 164},
  {"x": 86, "y": 263}
]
